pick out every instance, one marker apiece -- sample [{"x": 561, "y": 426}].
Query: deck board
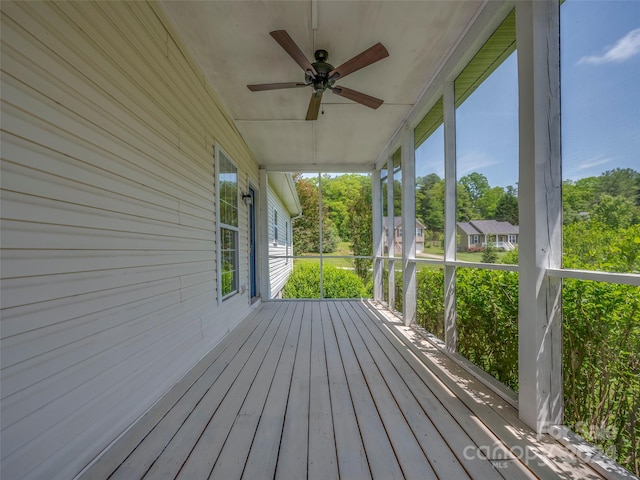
[
  {"x": 292, "y": 459},
  {"x": 329, "y": 389}
]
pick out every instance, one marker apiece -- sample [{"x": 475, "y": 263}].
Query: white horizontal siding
[
  {"x": 108, "y": 226},
  {"x": 279, "y": 268}
]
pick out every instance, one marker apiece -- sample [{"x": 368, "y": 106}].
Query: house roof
[
  {"x": 488, "y": 227},
  {"x": 397, "y": 222},
  {"x": 284, "y": 186}
]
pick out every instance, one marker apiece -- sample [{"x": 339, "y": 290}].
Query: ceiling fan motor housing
[{"x": 322, "y": 81}]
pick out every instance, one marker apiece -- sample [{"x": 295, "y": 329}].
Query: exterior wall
[
  {"x": 108, "y": 227},
  {"x": 279, "y": 268},
  {"x": 397, "y": 239},
  {"x": 464, "y": 241}
]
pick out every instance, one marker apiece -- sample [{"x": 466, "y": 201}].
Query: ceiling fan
[{"x": 321, "y": 75}]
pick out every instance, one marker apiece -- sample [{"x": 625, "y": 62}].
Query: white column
[
  {"x": 408, "y": 226},
  {"x": 263, "y": 236},
  {"x": 390, "y": 233},
  {"x": 540, "y": 246},
  {"x": 449, "y": 118},
  {"x": 376, "y": 218},
  {"x": 320, "y": 225}
]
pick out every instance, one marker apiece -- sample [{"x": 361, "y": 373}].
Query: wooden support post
[
  {"x": 376, "y": 218},
  {"x": 390, "y": 234},
  {"x": 408, "y": 162},
  {"x": 449, "y": 118},
  {"x": 263, "y": 236},
  {"x": 540, "y": 245}
]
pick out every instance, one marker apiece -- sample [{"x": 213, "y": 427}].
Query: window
[
  {"x": 400, "y": 231},
  {"x": 418, "y": 232},
  {"x": 227, "y": 201},
  {"x": 475, "y": 239},
  {"x": 275, "y": 225},
  {"x": 513, "y": 239}
]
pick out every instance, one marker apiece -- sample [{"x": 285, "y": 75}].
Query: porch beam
[
  {"x": 408, "y": 162},
  {"x": 263, "y": 237},
  {"x": 450, "y": 179},
  {"x": 376, "y": 217},
  {"x": 540, "y": 246},
  {"x": 390, "y": 233}
]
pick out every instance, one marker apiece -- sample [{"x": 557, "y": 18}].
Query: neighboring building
[
  {"x": 283, "y": 205},
  {"x": 475, "y": 234},
  {"x": 397, "y": 235}
]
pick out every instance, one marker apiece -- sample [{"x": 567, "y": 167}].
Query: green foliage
[
  {"x": 601, "y": 362},
  {"x": 621, "y": 182},
  {"x": 511, "y": 257},
  {"x": 430, "y": 300},
  {"x": 487, "y": 316},
  {"x": 487, "y": 319},
  {"x": 430, "y": 203},
  {"x": 306, "y": 232},
  {"x": 592, "y": 245},
  {"x": 360, "y": 225},
  {"x": 304, "y": 282},
  {"x": 507, "y": 207},
  {"x": 615, "y": 212},
  {"x": 490, "y": 252},
  {"x": 476, "y": 185}
]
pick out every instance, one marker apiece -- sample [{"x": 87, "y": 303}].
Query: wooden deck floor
[{"x": 326, "y": 390}]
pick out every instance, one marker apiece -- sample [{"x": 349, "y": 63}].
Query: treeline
[
  {"x": 346, "y": 216},
  {"x": 601, "y": 217},
  {"x": 476, "y": 200}
]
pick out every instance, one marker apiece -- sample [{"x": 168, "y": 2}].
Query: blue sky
[{"x": 600, "y": 71}]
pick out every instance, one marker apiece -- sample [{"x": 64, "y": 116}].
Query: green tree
[
  {"x": 337, "y": 191},
  {"x": 430, "y": 202},
  {"x": 360, "y": 225},
  {"x": 615, "y": 212},
  {"x": 477, "y": 185},
  {"x": 620, "y": 182},
  {"x": 490, "y": 252},
  {"x": 488, "y": 203},
  {"x": 306, "y": 231},
  {"x": 507, "y": 207},
  {"x": 464, "y": 206}
]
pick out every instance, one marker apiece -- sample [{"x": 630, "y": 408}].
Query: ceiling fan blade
[
  {"x": 369, "y": 56},
  {"x": 274, "y": 86},
  {"x": 364, "y": 99},
  {"x": 314, "y": 106},
  {"x": 286, "y": 42}
]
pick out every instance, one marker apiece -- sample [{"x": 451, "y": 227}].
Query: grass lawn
[
  {"x": 344, "y": 248},
  {"x": 463, "y": 256}
]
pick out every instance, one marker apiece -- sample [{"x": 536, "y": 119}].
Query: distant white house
[
  {"x": 283, "y": 206},
  {"x": 476, "y": 234},
  {"x": 397, "y": 235}
]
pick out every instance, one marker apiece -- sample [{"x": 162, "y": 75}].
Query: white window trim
[
  {"x": 219, "y": 225},
  {"x": 275, "y": 225}
]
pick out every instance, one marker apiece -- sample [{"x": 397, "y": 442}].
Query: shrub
[
  {"x": 601, "y": 362},
  {"x": 304, "y": 282},
  {"x": 430, "y": 300},
  {"x": 490, "y": 254}
]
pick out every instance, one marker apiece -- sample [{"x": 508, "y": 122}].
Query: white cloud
[
  {"x": 625, "y": 48},
  {"x": 474, "y": 161},
  {"x": 593, "y": 163}
]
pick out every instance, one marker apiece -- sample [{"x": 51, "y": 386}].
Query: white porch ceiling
[{"x": 230, "y": 40}]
